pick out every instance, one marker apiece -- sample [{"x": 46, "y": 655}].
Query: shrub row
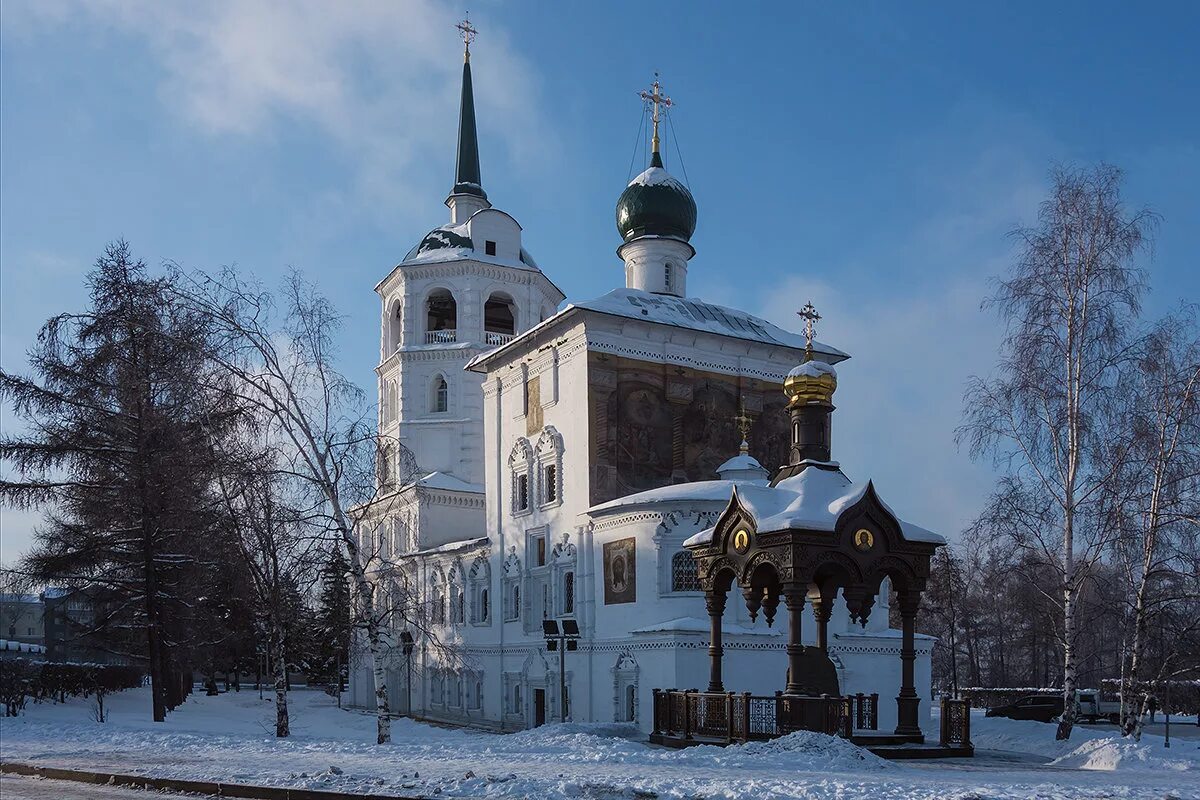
[{"x": 22, "y": 680}]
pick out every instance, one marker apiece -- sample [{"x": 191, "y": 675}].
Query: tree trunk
[
  {"x": 282, "y": 728},
  {"x": 1067, "y": 721},
  {"x": 374, "y": 641}
]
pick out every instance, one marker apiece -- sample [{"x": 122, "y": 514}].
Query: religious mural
[
  {"x": 652, "y": 430},
  {"x": 620, "y": 571}
]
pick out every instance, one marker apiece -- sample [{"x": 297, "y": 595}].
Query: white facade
[
  {"x": 499, "y": 400},
  {"x": 539, "y": 547}
]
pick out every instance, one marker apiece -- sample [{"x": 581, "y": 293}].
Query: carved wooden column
[
  {"x": 908, "y": 702},
  {"x": 715, "y": 601},
  {"x": 793, "y": 596}
]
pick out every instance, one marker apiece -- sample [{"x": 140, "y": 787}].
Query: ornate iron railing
[
  {"x": 866, "y": 711},
  {"x": 956, "y": 724},
  {"x": 730, "y": 717}
]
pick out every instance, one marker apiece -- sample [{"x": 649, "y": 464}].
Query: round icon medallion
[
  {"x": 864, "y": 540},
  {"x": 741, "y": 540}
]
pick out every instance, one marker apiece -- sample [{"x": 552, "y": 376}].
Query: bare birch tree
[
  {"x": 1159, "y": 498},
  {"x": 1068, "y": 303},
  {"x": 281, "y": 356}
]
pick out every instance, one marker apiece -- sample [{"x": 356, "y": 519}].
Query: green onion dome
[{"x": 656, "y": 204}]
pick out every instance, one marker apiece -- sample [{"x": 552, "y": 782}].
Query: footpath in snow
[{"x": 229, "y": 738}]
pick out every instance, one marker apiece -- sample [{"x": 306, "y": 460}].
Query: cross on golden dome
[
  {"x": 811, "y": 317},
  {"x": 743, "y": 422}
]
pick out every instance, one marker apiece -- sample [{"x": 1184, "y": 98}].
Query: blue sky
[{"x": 870, "y": 158}]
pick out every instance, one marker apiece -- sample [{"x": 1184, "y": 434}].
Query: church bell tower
[{"x": 467, "y": 287}]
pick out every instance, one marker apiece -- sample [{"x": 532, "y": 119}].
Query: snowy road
[
  {"x": 228, "y": 738},
  {"x": 15, "y": 787}
]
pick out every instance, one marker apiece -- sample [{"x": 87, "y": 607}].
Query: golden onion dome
[{"x": 810, "y": 382}]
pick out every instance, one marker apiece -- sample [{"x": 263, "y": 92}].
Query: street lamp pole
[
  {"x": 562, "y": 641},
  {"x": 406, "y": 640}
]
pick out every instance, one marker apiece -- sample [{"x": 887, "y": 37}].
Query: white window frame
[
  {"x": 512, "y": 586},
  {"x": 480, "y": 582},
  {"x": 520, "y": 465},
  {"x": 549, "y": 454}
]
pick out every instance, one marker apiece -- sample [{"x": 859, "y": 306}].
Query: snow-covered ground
[{"x": 229, "y": 738}]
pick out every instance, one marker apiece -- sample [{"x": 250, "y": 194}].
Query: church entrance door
[{"x": 539, "y": 707}]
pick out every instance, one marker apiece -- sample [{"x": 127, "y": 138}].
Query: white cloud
[{"x": 379, "y": 79}]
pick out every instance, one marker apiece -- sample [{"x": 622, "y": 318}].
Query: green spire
[{"x": 466, "y": 172}]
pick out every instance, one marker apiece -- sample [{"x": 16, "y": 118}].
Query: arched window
[
  {"x": 684, "y": 576},
  {"x": 512, "y": 586},
  {"x": 441, "y": 318},
  {"x": 441, "y": 395},
  {"x": 499, "y": 319},
  {"x": 480, "y": 583},
  {"x": 667, "y": 278},
  {"x": 437, "y": 598},
  {"x": 395, "y": 322}
]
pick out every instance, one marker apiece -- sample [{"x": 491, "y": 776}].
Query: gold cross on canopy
[
  {"x": 743, "y": 422},
  {"x": 656, "y": 97},
  {"x": 468, "y": 35},
  {"x": 810, "y": 316}
]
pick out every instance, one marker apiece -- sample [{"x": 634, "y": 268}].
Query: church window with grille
[
  {"x": 684, "y": 577},
  {"x": 568, "y": 592},
  {"x": 522, "y": 498}
]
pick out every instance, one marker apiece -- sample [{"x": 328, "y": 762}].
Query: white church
[{"x": 565, "y": 454}]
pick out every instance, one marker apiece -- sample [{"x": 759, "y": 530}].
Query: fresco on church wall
[
  {"x": 620, "y": 571},
  {"x": 651, "y": 430}
]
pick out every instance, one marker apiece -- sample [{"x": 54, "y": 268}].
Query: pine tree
[{"x": 115, "y": 455}]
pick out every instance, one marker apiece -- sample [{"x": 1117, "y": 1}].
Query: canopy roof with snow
[{"x": 814, "y": 500}]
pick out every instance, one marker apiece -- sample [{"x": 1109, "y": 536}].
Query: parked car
[
  {"x": 1092, "y": 706},
  {"x": 1040, "y": 707}
]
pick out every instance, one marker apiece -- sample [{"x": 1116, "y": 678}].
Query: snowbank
[
  {"x": 1115, "y": 753},
  {"x": 229, "y": 738}
]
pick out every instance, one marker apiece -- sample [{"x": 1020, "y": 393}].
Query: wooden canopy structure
[{"x": 801, "y": 564}]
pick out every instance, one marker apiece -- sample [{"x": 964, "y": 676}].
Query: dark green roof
[
  {"x": 448, "y": 237},
  {"x": 656, "y": 204},
  {"x": 466, "y": 171}
]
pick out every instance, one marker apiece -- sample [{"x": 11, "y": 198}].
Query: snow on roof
[
  {"x": 698, "y": 491},
  {"x": 812, "y": 500},
  {"x": 19, "y": 598},
  {"x": 696, "y": 314},
  {"x": 812, "y": 369},
  {"x": 449, "y": 483},
  {"x": 742, "y": 462},
  {"x": 20, "y": 647},
  {"x": 655, "y": 176},
  {"x": 697, "y": 625},
  {"x": 452, "y": 547},
  {"x": 691, "y": 313}
]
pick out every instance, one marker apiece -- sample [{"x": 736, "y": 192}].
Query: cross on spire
[
  {"x": 811, "y": 317},
  {"x": 468, "y": 35},
  {"x": 656, "y": 97},
  {"x": 743, "y": 422}
]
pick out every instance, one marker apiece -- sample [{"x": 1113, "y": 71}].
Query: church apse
[{"x": 655, "y": 425}]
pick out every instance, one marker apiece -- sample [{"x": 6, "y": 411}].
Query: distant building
[
  {"x": 69, "y": 616},
  {"x": 22, "y": 619}
]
